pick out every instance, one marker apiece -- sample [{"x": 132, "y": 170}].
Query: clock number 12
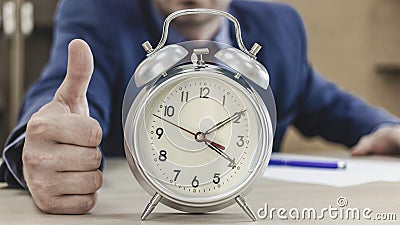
[{"x": 204, "y": 92}]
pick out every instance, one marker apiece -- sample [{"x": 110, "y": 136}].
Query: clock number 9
[
  {"x": 159, "y": 132},
  {"x": 163, "y": 156}
]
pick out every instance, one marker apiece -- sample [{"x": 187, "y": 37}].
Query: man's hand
[
  {"x": 61, "y": 156},
  {"x": 385, "y": 140}
]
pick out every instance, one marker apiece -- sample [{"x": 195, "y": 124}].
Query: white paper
[{"x": 358, "y": 171}]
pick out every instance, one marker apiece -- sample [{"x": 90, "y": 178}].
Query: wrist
[{"x": 12, "y": 158}]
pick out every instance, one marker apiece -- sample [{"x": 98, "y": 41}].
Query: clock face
[{"x": 199, "y": 137}]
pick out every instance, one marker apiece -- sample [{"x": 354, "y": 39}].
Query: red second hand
[{"x": 215, "y": 144}]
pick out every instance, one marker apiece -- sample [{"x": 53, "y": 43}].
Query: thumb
[{"x": 72, "y": 92}]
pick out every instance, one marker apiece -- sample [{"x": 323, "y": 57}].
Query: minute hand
[
  {"x": 227, "y": 120},
  {"x": 224, "y": 155}
]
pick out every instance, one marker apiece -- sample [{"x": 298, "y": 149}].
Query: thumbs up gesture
[{"x": 61, "y": 155}]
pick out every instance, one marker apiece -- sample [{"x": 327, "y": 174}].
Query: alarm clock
[{"x": 198, "y": 134}]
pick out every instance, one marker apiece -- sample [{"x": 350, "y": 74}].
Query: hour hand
[
  {"x": 220, "y": 124},
  {"x": 232, "y": 163}
]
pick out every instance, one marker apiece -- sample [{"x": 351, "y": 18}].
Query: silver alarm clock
[{"x": 198, "y": 135}]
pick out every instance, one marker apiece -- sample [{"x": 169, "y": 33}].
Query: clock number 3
[{"x": 240, "y": 143}]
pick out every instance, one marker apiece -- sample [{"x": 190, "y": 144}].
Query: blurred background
[
  {"x": 354, "y": 43},
  {"x": 25, "y": 39}
]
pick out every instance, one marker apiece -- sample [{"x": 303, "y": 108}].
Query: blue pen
[{"x": 309, "y": 163}]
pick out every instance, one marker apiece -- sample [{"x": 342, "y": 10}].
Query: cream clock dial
[{"x": 190, "y": 155}]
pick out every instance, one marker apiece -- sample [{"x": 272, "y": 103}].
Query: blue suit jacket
[{"x": 115, "y": 30}]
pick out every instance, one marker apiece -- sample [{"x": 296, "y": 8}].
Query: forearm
[{"x": 336, "y": 115}]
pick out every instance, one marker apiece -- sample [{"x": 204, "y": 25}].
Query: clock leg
[
  {"x": 152, "y": 204},
  {"x": 242, "y": 203}
]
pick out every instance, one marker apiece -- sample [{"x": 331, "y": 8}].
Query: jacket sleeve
[
  {"x": 332, "y": 113},
  {"x": 336, "y": 115},
  {"x": 87, "y": 20}
]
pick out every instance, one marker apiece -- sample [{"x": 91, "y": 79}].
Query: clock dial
[{"x": 198, "y": 136}]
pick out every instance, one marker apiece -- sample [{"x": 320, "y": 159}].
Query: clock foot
[
  {"x": 242, "y": 203},
  {"x": 152, "y": 204}
]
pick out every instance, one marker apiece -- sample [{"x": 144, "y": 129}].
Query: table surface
[{"x": 121, "y": 201}]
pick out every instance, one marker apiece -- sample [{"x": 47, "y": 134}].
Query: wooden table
[{"x": 121, "y": 201}]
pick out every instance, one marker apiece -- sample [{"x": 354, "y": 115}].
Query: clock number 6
[{"x": 195, "y": 182}]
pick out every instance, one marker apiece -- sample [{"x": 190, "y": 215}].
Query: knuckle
[
  {"x": 40, "y": 188},
  {"x": 94, "y": 134},
  {"x": 27, "y": 158},
  {"x": 93, "y": 160},
  {"x": 97, "y": 158},
  {"x": 93, "y": 181},
  {"x": 39, "y": 126},
  {"x": 88, "y": 203},
  {"x": 48, "y": 205},
  {"x": 35, "y": 158},
  {"x": 36, "y": 125},
  {"x": 97, "y": 180},
  {"x": 36, "y": 186}
]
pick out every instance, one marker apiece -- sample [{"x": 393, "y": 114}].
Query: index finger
[{"x": 66, "y": 128}]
